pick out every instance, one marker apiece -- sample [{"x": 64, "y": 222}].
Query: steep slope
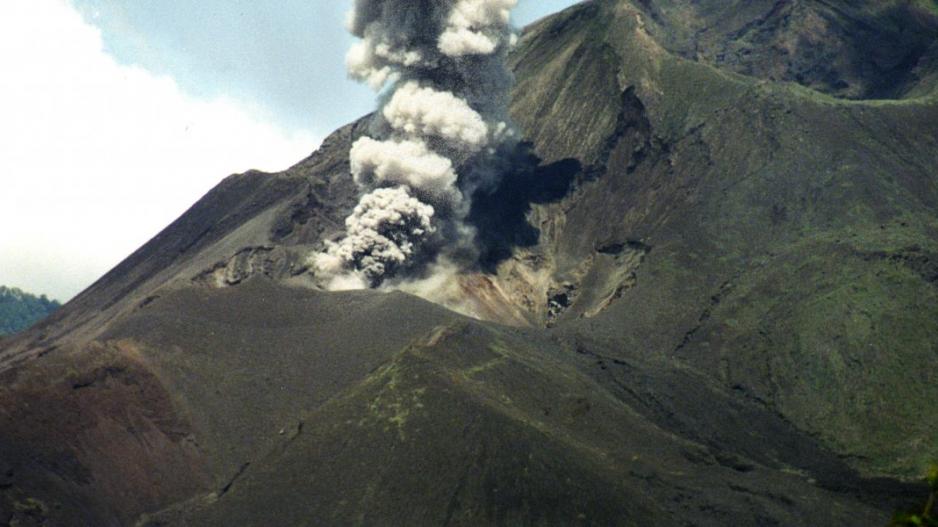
[
  {"x": 224, "y": 238},
  {"x": 782, "y": 240},
  {"x": 722, "y": 287},
  {"x": 848, "y": 49}
]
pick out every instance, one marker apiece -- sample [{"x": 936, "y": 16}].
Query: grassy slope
[
  {"x": 267, "y": 405},
  {"x": 465, "y": 424},
  {"x": 794, "y": 235},
  {"x": 851, "y": 49}
]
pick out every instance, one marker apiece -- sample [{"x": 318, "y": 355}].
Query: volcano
[{"x": 706, "y": 295}]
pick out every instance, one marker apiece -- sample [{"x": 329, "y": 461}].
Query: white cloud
[{"x": 97, "y": 157}]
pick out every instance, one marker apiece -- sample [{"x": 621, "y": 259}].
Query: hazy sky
[{"x": 117, "y": 115}]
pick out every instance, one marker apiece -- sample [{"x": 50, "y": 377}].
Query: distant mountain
[
  {"x": 19, "y": 310},
  {"x": 707, "y": 296}
]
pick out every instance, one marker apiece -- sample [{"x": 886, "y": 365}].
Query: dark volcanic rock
[{"x": 722, "y": 287}]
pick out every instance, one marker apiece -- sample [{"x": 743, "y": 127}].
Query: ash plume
[
  {"x": 440, "y": 65},
  {"x": 383, "y": 232}
]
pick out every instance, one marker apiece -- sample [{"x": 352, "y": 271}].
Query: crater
[{"x": 527, "y": 289}]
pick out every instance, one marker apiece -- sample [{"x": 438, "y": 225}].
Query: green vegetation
[
  {"x": 19, "y": 310},
  {"x": 927, "y": 517},
  {"x": 930, "y": 5}
]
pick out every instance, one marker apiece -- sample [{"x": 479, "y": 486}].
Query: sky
[{"x": 117, "y": 115}]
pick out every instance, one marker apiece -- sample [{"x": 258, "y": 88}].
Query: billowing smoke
[
  {"x": 434, "y": 141},
  {"x": 383, "y": 232}
]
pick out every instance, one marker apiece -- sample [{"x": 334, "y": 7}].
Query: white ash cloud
[
  {"x": 433, "y": 141},
  {"x": 384, "y": 231},
  {"x": 372, "y": 63},
  {"x": 472, "y": 27},
  {"x": 418, "y": 111},
  {"x": 405, "y": 162}
]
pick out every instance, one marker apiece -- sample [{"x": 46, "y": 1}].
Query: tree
[{"x": 19, "y": 310}]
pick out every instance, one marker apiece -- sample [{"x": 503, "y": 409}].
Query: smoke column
[{"x": 435, "y": 139}]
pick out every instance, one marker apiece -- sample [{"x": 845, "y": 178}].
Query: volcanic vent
[{"x": 452, "y": 206}]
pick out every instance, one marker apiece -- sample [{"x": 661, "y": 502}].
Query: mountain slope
[
  {"x": 706, "y": 297},
  {"x": 241, "y": 397},
  {"x": 790, "y": 237},
  {"x": 848, "y": 49}
]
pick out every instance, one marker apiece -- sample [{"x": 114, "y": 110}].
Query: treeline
[{"x": 19, "y": 310}]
